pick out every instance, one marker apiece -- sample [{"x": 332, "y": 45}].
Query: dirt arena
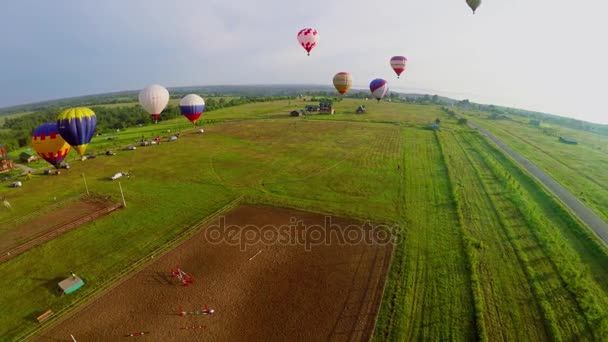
[
  {"x": 284, "y": 293},
  {"x": 26, "y": 235}
]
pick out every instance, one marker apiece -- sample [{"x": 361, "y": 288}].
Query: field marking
[{"x": 256, "y": 254}]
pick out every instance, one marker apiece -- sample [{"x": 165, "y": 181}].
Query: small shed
[
  {"x": 69, "y": 285},
  {"x": 568, "y": 141},
  {"x": 27, "y": 158}
]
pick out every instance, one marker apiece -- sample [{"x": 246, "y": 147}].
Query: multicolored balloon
[
  {"x": 49, "y": 144},
  {"x": 343, "y": 81},
  {"x": 308, "y": 38},
  {"x": 474, "y": 4},
  {"x": 154, "y": 99},
  {"x": 192, "y": 107},
  {"x": 398, "y": 63},
  {"x": 77, "y": 126},
  {"x": 379, "y": 88}
]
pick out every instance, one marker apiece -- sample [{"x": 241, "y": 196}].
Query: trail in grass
[
  {"x": 516, "y": 269},
  {"x": 431, "y": 299}
]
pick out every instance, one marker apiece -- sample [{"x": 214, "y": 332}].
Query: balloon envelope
[
  {"x": 77, "y": 126},
  {"x": 192, "y": 106},
  {"x": 398, "y": 63},
  {"x": 308, "y": 38},
  {"x": 474, "y": 4},
  {"x": 379, "y": 88},
  {"x": 154, "y": 99},
  {"x": 49, "y": 144},
  {"x": 343, "y": 81}
]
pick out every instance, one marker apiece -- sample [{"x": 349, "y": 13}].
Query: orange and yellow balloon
[
  {"x": 49, "y": 144},
  {"x": 343, "y": 81}
]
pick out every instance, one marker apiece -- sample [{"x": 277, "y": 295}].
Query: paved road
[{"x": 576, "y": 206}]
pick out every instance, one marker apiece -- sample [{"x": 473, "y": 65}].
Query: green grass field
[
  {"x": 484, "y": 253},
  {"x": 580, "y": 168}
]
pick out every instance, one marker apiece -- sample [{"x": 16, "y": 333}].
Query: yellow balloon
[{"x": 343, "y": 81}]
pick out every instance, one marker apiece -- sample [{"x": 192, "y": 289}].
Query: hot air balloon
[
  {"x": 192, "y": 106},
  {"x": 77, "y": 126},
  {"x": 343, "y": 81},
  {"x": 473, "y": 4},
  {"x": 379, "y": 88},
  {"x": 49, "y": 144},
  {"x": 398, "y": 63},
  {"x": 154, "y": 99},
  {"x": 308, "y": 38}
]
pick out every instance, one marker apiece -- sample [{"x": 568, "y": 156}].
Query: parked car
[
  {"x": 65, "y": 166},
  {"x": 130, "y": 147},
  {"x": 110, "y": 153},
  {"x": 144, "y": 143},
  {"x": 15, "y": 184},
  {"x": 118, "y": 175},
  {"x": 173, "y": 138}
]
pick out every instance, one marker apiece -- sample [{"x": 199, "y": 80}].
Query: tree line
[{"x": 16, "y": 132}]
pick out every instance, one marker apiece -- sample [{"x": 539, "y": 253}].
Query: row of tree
[{"x": 17, "y": 131}]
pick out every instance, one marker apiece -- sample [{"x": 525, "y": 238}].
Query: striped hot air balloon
[
  {"x": 192, "y": 107},
  {"x": 398, "y": 63},
  {"x": 308, "y": 38},
  {"x": 343, "y": 81},
  {"x": 77, "y": 126},
  {"x": 49, "y": 144},
  {"x": 379, "y": 88}
]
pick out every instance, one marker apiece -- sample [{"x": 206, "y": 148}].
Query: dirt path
[
  {"x": 284, "y": 293},
  {"x": 583, "y": 212}
]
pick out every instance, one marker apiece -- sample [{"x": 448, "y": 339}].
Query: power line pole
[
  {"x": 124, "y": 203},
  {"x": 85, "y": 183}
]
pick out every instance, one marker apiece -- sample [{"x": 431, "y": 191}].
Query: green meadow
[
  {"x": 483, "y": 251},
  {"x": 580, "y": 168}
]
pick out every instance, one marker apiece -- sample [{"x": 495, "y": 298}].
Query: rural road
[
  {"x": 24, "y": 168},
  {"x": 574, "y": 204}
]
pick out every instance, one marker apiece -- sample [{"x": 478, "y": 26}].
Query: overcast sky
[{"x": 546, "y": 55}]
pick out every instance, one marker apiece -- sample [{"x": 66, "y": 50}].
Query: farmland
[
  {"x": 580, "y": 168},
  {"x": 482, "y": 250}
]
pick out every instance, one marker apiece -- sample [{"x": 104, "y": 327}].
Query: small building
[
  {"x": 312, "y": 108},
  {"x": 568, "y": 141},
  {"x": 69, "y": 285},
  {"x": 326, "y": 107},
  {"x": 27, "y": 158},
  {"x": 6, "y": 162}
]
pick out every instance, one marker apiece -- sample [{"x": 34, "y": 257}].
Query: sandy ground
[{"x": 331, "y": 292}]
